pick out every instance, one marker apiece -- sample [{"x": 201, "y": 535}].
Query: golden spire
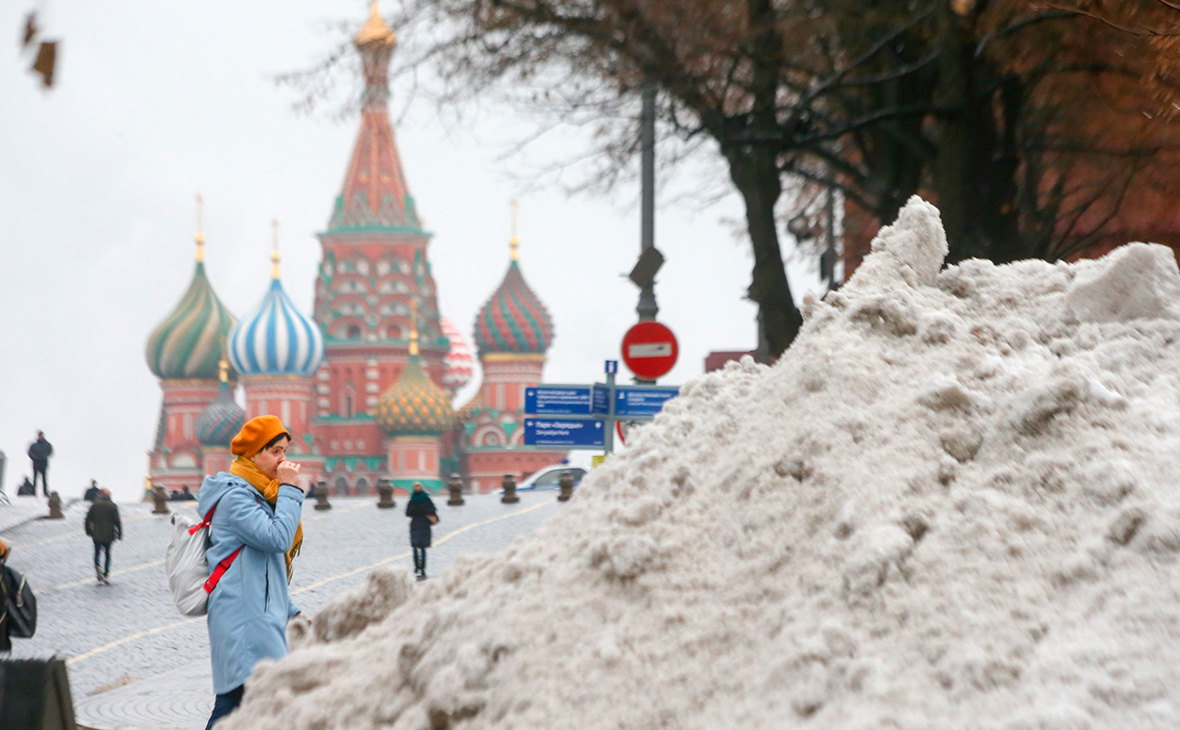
[
  {"x": 274, "y": 254},
  {"x": 223, "y": 366},
  {"x": 514, "y": 242},
  {"x": 200, "y": 232},
  {"x": 375, "y": 31},
  {"x": 413, "y": 328}
]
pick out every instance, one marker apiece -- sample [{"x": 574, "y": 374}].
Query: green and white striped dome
[{"x": 187, "y": 344}]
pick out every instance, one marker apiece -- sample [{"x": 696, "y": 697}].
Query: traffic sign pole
[{"x": 608, "y": 435}]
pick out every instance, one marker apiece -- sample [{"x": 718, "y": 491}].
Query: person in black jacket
[
  {"x": 5, "y": 590},
  {"x": 39, "y": 453},
  {"x": 104, "y": 527},
  {"x": 91, "y": 494},
  {"x": 420, "y": 509}
]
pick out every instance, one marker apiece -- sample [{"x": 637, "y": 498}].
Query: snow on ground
[{"x": 953, "y": 503}]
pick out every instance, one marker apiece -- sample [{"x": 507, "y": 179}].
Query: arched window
[
  {"x": 362, "y": 487},
  {"x": 341, "y": 488},
  {"x": 354, "y": 332}
]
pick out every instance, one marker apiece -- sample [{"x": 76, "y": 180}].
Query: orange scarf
[{"x": 269, "y": 488}]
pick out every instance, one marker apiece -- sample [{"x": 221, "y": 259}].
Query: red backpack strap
[
  {"x": 205, "y": 522},
  {"x": 220, "y": 570}
]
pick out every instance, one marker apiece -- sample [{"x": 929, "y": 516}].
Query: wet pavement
[{"x": 135, "y": 662}]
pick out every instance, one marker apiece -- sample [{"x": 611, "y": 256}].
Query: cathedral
[{"x": 365, "y": 381}]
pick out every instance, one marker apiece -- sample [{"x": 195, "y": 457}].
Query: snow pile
[{"x": 953, "y": 504}]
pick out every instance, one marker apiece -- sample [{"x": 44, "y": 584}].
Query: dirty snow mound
[{"x": 952, "y": 504}]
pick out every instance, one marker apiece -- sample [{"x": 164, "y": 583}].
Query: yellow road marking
[
  {"x": 85, "y": 581},
  {"x": 159, "y": 629},
  {"x": 401, "y": 556},
  {"x": 59, "y": 538},
  {"x": 132, "y": 637}
]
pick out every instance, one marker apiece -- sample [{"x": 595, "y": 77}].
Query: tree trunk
[
  {"x": 755, "y": 174},
  {"x": 975, "y": 174}
]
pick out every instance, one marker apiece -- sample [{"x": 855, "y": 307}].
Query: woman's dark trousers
[
  {"x": 225, "y": 704},
  {"x": 420, "y": 561}
]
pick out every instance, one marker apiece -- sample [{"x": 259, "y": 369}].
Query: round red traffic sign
[{"x": 650, "y": 350}]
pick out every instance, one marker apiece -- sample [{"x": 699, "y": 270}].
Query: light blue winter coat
[{"x": 249, "y": 608}]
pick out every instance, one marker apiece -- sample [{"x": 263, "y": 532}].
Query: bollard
[
  {"x": 321, "y": 496},
  {"x": 455, "y": 486},
  {"x": 55, "y": 512},
  {"x": 161, "y": 500},
  {"x": 509, "y": 485},
  {"x": 567, "y": 487},
  {"x": 385, "y": 490}
]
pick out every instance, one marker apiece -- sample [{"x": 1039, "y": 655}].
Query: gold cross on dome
[
  {"x": 274, "y": 254},
  {"x": 514, "y": 241}
]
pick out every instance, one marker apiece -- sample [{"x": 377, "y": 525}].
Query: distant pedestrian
[
  {"x": 26, "y": 489},
  {"x": 186, "y": 495},
  {"x": 6, "y": 590},
  {"x": 91, "y": 493},
  {"x": 104, "y": 527},
  {"x": 420, "y": 509},
  {"x": 39, "y": 453},
  {"x": 254, "y": 537}
]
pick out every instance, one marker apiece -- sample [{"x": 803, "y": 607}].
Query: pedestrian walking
[
  {"x": 39, "y": 453},
  {"x": 420, "y": 509},
  {"x": 254, "y": 537},
  {"x": 103, "y": 527},
  {"x": 91, "y": 493}
]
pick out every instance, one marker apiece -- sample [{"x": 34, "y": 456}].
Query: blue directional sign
[
  {"x": 557, "y": 400},
  {"x": 642, "y": 402},
  {"x": 600, "y": 400},
  {"x": 563, "y": 432}
]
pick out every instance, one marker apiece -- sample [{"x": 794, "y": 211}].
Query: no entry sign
[{"x": 650, "y": 350}]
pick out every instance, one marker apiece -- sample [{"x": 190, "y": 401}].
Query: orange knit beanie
[{"x": 255, "y": 434}]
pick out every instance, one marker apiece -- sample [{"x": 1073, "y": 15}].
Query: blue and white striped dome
[{"x": 275, "y": 339}]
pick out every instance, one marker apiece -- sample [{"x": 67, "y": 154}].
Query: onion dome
[
  {"x": 414, "y": 405},
  {"x": 459, "y": 364},
  {"x": 514, "y": 320},
  {"x": 275, "y": 338},
  {"x": 221, "y": 419},
  {"x": 187, "y": 344}
]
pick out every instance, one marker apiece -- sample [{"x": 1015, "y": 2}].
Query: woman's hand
[{"x": 288, "y": 473}]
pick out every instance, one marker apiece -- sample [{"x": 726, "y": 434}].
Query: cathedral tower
[
  {"x": 183, "y": 352},
  {"x": 374, "y": 265}
]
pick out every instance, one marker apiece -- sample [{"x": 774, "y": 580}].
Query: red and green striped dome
[
  {"x": 414, "y": 405},
  {"x": 514, "y": 320},
  {"x": 187, "y": 344}
]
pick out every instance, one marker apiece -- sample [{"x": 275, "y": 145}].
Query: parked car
[{"x": 548, "y": 477}]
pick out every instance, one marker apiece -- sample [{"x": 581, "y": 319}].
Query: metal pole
[
  {"x": 608, "y": 438},
  {"x": 647, "y": 307},
  {"x": 828, "y": 257}
]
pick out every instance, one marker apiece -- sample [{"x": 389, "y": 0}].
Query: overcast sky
[{"x": 158, "y": 101}]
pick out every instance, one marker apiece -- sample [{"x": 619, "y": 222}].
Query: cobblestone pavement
[{"x": 135, "y": 662}]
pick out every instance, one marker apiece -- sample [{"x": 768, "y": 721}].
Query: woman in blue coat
[
  {"x": 420, "y": 509},
  {"x": 254, "y": 535}
]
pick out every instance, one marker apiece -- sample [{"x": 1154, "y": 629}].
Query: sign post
[{"x": 589, "y": 416}]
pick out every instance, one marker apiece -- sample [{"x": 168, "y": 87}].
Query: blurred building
[{"x": 365, "y": 383}]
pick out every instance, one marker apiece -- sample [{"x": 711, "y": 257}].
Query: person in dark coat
[
  {"x": 420, "y": 509},
  {"x": 5, "y": 590},
  {"x": 104, "y": 527},
  {"x": 92, "y": 493},
  {"x": 39, "y": 453}
]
